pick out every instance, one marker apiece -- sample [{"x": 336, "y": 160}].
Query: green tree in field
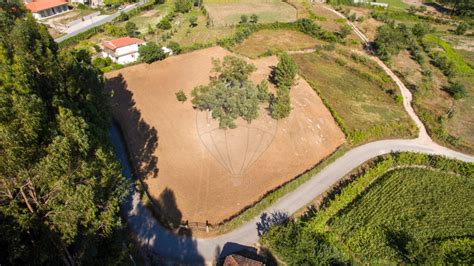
[
  {"x": 131, "y": 29},
  {"x": 281, "y": 107},
  {"x": 230, "y": 94},
  {"x": 307, "y": 26},
  {"x": 462, "y": 28},
  {"x": 344, "y": 30},
  {"x": 164, "y": 24},
  {"x": 151, "y": 52},
  {"x": 285, "y": 71},
  {"x": 193, "y": 21},
  {"x": 60, "y": 183},
  {"x": 183, "y": 6},
  {"x": 420, "y": 29},
  {"x": 150, "y": 30},
  {"x": 389, "y": 41},
  {"x": 284, "y": 77},
  {"x": 244, "y": 19},
  {"x": 254, "y": 19},
  {"x": 181, "y": 96}
]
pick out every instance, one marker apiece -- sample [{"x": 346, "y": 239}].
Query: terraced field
[
  {"x": 392, "y": 222},
  {"x": 402, "y": 209}
]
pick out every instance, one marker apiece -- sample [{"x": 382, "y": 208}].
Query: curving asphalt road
[{"x": 185, "y": 249}]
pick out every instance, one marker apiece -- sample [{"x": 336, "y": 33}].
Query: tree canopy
[
  {"x": 60, "y": 184},
  {"x": 230, "y": 94}
]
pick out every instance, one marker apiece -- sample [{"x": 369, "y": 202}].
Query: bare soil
[{"x": 197, "y": 172}]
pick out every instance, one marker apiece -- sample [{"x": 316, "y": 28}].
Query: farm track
[{"x": 186, "y": 249}]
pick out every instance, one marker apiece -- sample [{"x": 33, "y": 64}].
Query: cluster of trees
[
  {"x": 151, "y": 51},
  {"x": 284, "y": 77},
  {"x": 460, "y": 7},
  {"x": 230, "y": 94},
  {"x": 391, "y": 39},
  {"x": 60, "y": 184}
]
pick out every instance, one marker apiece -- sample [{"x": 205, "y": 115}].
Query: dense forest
[{"x": 60, "y": 184}]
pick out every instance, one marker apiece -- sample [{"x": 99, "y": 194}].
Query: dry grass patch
[
  {"x": 275, "y": 40},
  {"x": 228, "y": 12}
]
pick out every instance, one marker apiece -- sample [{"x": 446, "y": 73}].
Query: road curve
[{"x": 184, "y": 249}]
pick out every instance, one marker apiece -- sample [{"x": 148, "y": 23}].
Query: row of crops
[{"x": 406, "y": 208}]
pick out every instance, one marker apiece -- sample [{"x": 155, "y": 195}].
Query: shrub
[
  {"x": 175, "y": 47},
  {"x": 244, "y": 19},
  {"x": 344, "y": 30},
  {"x": 456, "y": 90},
  {"x": 193, "y": 21},
  {"x": 309, "y": 27},
  {"x": 181, "y": 96},
  {"x": 281, "y": 106},
  {"x": 254, "y": 19},
  {"x": 183, "y": 6},
  {"x": 151, "y": 52},
  {"x": 131, "y": 29},
  {"x": 462, "y": 28},
  {"x": 164, "y": 24}
]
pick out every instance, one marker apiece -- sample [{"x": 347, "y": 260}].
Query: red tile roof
[
  {"x": 44, "y": 4},
  {"x": 121, "y": 42}
]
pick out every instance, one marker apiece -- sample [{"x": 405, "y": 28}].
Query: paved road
[
  {"x": 98, "y": 22},
  {"x": 200, "y": 251}
]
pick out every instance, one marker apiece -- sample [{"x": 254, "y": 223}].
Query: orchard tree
[
  {"x": 244, "y": 19},
  {"x": 389, "y": 41},
  {"x": 193, "y": 21},
  {"x": 60, "y": 184}
]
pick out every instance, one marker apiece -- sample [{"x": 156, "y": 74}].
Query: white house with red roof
[
  {"x": 46, "y": 8},
  {"x": 122, "y": 50}
]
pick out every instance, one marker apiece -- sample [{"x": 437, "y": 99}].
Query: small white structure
[
  {"x": 92, "y": 3},
  {"x": 46, "y": 8},
  {"x": 122, "y": 50}
]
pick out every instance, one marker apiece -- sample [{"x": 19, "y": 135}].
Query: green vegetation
[
  {"x": 405, "y": 208},
  {"x": 183, "y": 6},
  {"x": 230, "y": 94},
  {"x": 360, "y": 96},
  {"x": 151, "y": 52},
  {"x": 61, "y": 184},
  {"x": 284, "y": 77},
  {"x": 181, "y": 96}
]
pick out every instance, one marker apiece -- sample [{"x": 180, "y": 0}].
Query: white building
[
  {"x": 46, "y": 8},
  {"x": 122, "y": 50},
  {"x": 92, "y": 3}
]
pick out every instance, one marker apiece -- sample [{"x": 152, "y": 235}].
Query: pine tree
[{"x": 60, "y": 183}]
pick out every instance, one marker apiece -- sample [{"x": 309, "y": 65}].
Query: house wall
[
  {"x": 123, "y": 55},
  {"x": 50, "y": 11}
]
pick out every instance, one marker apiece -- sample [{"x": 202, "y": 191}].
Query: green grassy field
[
  {"x": 363, "y": 100},
  {"x": 228, "y": 12},
  {"x": 405, "y": 208}
]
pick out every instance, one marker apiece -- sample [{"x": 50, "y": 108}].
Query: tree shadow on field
[
  {"x": 154, "y": 243},
  {"x": 140, "y": 137}
]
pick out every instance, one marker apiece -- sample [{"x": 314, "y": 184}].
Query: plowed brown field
[{"x": 196, "y": 171}]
